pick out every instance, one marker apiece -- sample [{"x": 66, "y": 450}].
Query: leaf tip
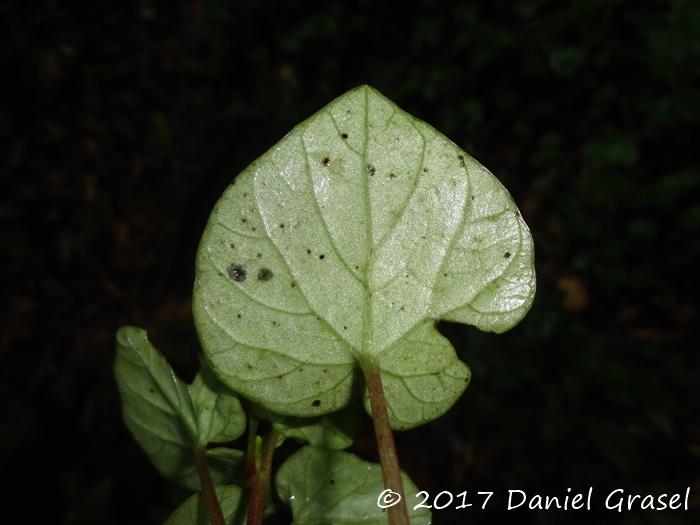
[{"x": 126, "y": 334}]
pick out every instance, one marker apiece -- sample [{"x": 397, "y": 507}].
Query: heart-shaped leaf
[
  {"x": 193, "y": 510},
  {"x": 331, "y": 487},
  {"x": 170, "y": 419},
  {"x": 342, "y": 246}
]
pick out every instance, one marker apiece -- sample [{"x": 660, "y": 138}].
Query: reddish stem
[
  {"x": 215, "y": 515},
  {"x": 391, "y": 472},
  {"x": 251, "y": 467},
  {"x": 256, "y": 504}
]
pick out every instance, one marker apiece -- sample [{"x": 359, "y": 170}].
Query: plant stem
[
  {"x": 215, "y": 515},
  {"x": 391, "y": 473},
  {"x": 256, "y": 503},
  {"x": 251, "y": 460}
]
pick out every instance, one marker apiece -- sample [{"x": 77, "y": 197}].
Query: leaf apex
[{"x": 126, "y": 334}]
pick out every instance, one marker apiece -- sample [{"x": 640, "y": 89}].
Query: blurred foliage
[{"x": 122, "y": 122}]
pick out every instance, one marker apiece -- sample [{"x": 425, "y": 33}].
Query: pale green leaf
[
  {"x": 193, "y": 511},
  {"x": 336, "y": 430},
  {"x": 168, "y": 418},
  {"x": 220, "y": 416},
  {"x": 332, "y": 487},
  {"x": 345, "y": 244},
  {"x": 229, "y": 461}
]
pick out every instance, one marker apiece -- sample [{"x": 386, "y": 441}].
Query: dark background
[{"x": 122, "y": 122}]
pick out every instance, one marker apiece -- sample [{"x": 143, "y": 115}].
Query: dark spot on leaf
[
  {"x": 279, "y": 377},
  {"x": 425, "y": 170},
  {"x": 326, "y": 161},
  {"x": 274, "y": 323},
  {"x": 237, "y": 272},
  {"x": 308, "y": 250},
  {"x": 265, "y": 274},
  {"x": 321, "y": 256},
  {"x": 293, "y": 284},
  {"x": 253, "y": 228},
  {"x": 152, "y": 391},
  {"x": 316, "y": 403},
  {"x": 259, "y": 254},
  {"x": 249, "y": 366},
  {"x": 507, "y": 254},
  {"x": 282, "y": 225},
  {"x": 239, "y": 316},
  {"x": 371, "y": 169},
  {"x": 392, "y": 176},
  {"x": 472, "y": 197},
  {"x": 344, "y": 135},
  {"x": 325, "y": 370},
  {"x": 331, "y": 481},
  {"x": 232, "y": 246},
  {"x": 243, "y": 219},
  {"x": 461, "y": 161},
  {"x": 357, "y": 267},
  {"x": 300, "y": 369},
  {"x": 345, "y": 327}
]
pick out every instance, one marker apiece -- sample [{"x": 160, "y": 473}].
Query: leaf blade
[
  {"x": 193, "y": 511},
  {"x": 332, "y": 487},
  {"x": 375, "y": 224},
  {"x": 161, "y": 414}
]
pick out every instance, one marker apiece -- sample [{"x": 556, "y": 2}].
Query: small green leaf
[
  {"x": 169, "y": 419},
  {"x": 193, "y": 511},
  {"x": 230, "y": 461},
  {"x": 336, "y": 430},
  {"x": 331, "y": 487},
  {"x": 342, "y": 246},
  {"x": 220, "y": 416}
]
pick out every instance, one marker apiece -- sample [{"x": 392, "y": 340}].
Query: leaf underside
[{"x": 344, "y": 245}]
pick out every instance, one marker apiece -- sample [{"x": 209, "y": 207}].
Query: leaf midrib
[{"x": 367, "y": 328}]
